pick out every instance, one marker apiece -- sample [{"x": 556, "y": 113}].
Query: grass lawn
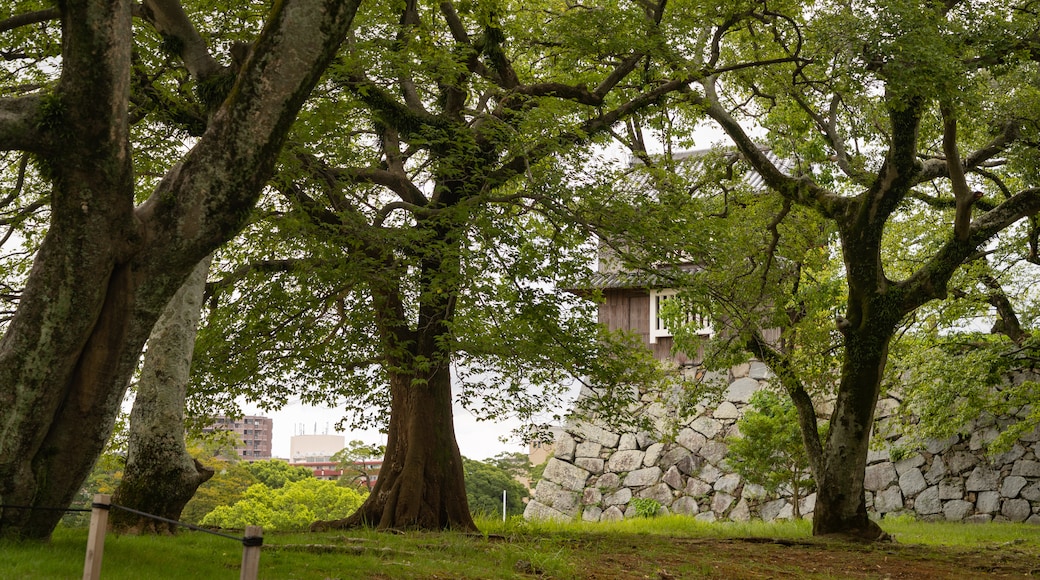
[{"x": 659, "y": 548}]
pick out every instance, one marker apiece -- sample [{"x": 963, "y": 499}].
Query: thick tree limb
[
  {"x": 19, "y": 119},
  {"x": 19, "y": 20},
  {"x": 169, "y": 19},
  {"x": 961, "y": 193}
]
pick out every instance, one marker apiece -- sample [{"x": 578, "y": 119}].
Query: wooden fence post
[
  {"x": 254, "y": 538},
  {"x": 96, "y": 536}
]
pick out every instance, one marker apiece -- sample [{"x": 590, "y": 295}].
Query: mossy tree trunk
[
  {"x": 160, "y": 475},
  {"x": 106, "y": 268}
]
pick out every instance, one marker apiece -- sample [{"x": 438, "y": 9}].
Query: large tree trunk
[
  {"x": 106, "y": 269},
  {"x": 160, "y": 476},
  {"x": 421, "y": 482},
  {"x": 841, "y": 507}
]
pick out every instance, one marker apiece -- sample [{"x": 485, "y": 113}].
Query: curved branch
[
  {"x": 19, "y": 20},
  {"x": 19, "y": 118},
  {"x": 170, "y": 20}
]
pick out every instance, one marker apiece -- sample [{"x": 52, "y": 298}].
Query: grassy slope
[{"x": 671, "y": 547}]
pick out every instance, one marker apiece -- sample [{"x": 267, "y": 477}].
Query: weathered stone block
[
  {"x": 770, "y": 510},
  {"x": 653, "y": 453},
  {"x": 808, "y": 504},
  {"x": 709, "y": 473},
  {"x": 727, "y": 411},
  {"x": 982, "y": 479},
  {"x": 980, "y": 439},
  {"x": 714, "y": 452},
  {"x": 619, "y": 497},
  {"x": 759, "y": 371},
  {"x": 740, "y": 390},
  {"x": 593, "y": 465},
  {"x": 727, "y": 483},
  {"x": 672, "y": 456},
  {"x": 878, "y": 455},
  {"x": 912, "y": 482},
  {"x": 1026, "y": 468},
  {"x": 886, "y": 408},
  {"x": 588, "y": 449},
  {"x": 612, "y": 514},
  {"x": 690, "y": 439},
  {"x": 889, "y": 500},
  {"x": 690, "y": 464},
  {"x": 960, "y": 461},
  {"x": 591, "y": 496},
  {"x": 569, "y": 476},
  {"x": 1010, "y": 456},
  {"x": 1016, "y": 510},
  {"x": 1031, "y": 492},
  {"x": 538, "y": 511},
  {"x": 721, "y": 502},
  {"x": 627, "y": 460},
  {"x": 609, "y": 482},
  {"x": 987, "y": 502},
  {"x": 741, "y": 512},
  {"x": 927, "y": 502},
  {"x": 591, "y": 432},
  {"x": 904, "y": 465},
  {"x": 708, "y": 516},
  {"x": 1012, "y": 485},
  {"x": 645, "y": 439},
  {"x": 642, "y": 477},
  {"x": 879, "y": 476},
  {"x": 754, "y": 492},
  {"x": 591, "y": 513},
  {"x": 697, "y": 488},
  {"x": 937, "y": 471},
  {"x": 951, "y": 489},
  {"x": 628, "y": 441},
  {"x": 706, "y": 426},
  {"x": 740, "y": 371},
  {"x": 935, "y": 446},
  {"x": 660, "y": 492},
  {"x": 957, "y": 510},
  {"x": 685, "y": 505},
  {"x": 564, "y": 446},
  {"x": 673, "y": 478}
]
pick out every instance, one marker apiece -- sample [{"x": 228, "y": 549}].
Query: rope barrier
[
  {"x": 247, "y": 541},
  {"x": 191, "y": 527},
  {"x": 46, "y": 509}
]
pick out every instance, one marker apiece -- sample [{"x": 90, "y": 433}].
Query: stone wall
[{"x": 595, "y": 472}]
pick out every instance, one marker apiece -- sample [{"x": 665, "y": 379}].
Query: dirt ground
[{"x": 666, "y": 559}]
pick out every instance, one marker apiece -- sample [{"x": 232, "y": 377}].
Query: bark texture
[
  {"x": 160, "y": 475},
  {"x": 106, "y": 268},
  {"x": 420, "y": 485}
]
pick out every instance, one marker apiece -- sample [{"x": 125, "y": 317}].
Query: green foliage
[
  {"x": 950, "y": 383},
  {"x": 275, "y": 473},
  {"x": 770, "y": 451},
  {"x": 294, "y": 506},
  {"x": 645, "y": 507},
  {"x": 353, "y": 461},
  {"x": 485, "y": 482}
]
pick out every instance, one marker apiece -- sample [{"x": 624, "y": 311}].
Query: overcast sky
[{"x": 477, "y": 440}]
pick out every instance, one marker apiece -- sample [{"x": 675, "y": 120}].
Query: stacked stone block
[{"x": 596, "y": 472}]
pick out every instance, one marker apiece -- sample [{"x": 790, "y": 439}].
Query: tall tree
[
  {"x": 441, "y": 232},
  {"x": 108, "y": 266},
  {"x": 160, "y": 476},
  {"x": 894, "y": 111}
]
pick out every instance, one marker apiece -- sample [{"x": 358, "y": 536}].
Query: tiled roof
[{"x": 648, "y": 279}]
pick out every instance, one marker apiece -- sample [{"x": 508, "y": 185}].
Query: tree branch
[{"x": 19, "y": 120}]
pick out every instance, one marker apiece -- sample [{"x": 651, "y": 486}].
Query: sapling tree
[{"x": 769, "y": 451}]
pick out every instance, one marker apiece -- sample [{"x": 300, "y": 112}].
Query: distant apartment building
[{"x": 254, "y": 434}]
